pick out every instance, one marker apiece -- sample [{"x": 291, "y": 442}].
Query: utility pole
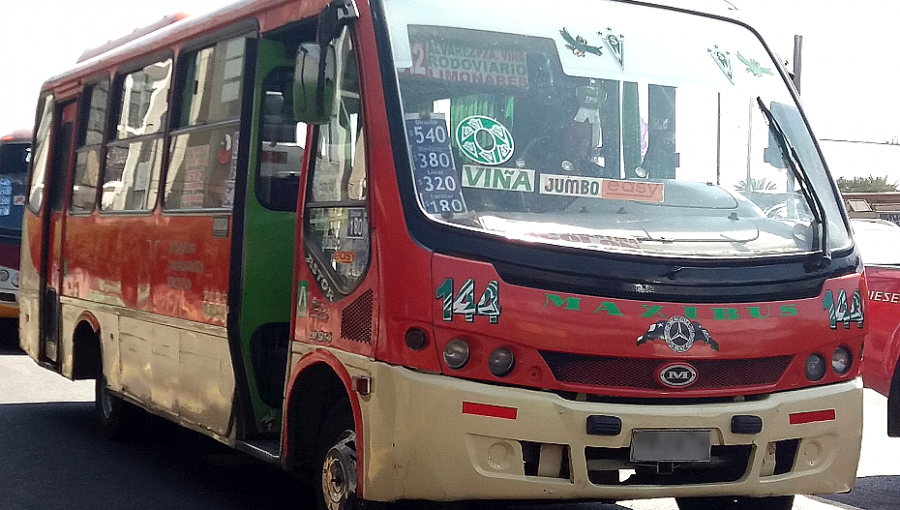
[{"x": 798, "y": 57}]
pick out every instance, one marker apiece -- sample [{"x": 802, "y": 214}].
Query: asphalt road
[{"x": 53, "y": 456}]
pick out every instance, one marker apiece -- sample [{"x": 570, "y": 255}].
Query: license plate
[{"x": 670, "y": 446}]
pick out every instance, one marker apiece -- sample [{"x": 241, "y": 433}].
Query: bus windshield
[
  {"x": 608, "y": 126},
  {"x": 13, "y": 170}
]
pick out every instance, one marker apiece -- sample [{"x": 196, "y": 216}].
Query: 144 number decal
[
  {"x": 464, "y": 303},
  {"x": 840, "y": 312}
]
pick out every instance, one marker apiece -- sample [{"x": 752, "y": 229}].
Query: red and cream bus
[
  {"x": 462, "y": 251},
  {"x": 15, "y": 149}
]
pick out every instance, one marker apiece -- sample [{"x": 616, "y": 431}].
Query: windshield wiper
[{"x": 820, "y": 233}]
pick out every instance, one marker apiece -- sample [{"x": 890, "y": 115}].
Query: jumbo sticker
[
  {"x": 485, "y": 140},
  {"x": 723, "y": 61}
]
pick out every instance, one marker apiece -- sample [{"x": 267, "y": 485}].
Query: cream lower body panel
[
  {"x": 419, "y": 445},
  {"x": 177, "y": 368}
]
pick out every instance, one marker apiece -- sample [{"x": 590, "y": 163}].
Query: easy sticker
[
  {"x": 485, "y": 140},
  {"x": 503, "y": 179},
  {"x": 723, "y": 60}
]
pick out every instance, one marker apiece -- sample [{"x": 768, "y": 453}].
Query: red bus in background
[{"x": 15, "y": 151}]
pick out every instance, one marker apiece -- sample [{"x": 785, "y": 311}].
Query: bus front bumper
[{"x": 434, "y": 437}]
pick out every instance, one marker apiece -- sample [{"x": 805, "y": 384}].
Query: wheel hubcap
[{"x": 339, "y": 474}]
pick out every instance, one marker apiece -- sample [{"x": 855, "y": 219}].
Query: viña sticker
[
  {"x": 754, "y": 67},
  {"x": 484, "y": 140},
  {"x": 464, "y": 303}
]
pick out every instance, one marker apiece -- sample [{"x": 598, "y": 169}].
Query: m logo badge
[{"x": 677, "y": 375}]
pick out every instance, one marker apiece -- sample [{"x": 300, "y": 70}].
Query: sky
[{"x": 849, "y": 82}]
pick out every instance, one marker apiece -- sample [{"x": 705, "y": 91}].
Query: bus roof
[
  {"x": 270, "y": 13},
  {"x": 177, "y": 29},
  {"x": 136, "y": 34}
]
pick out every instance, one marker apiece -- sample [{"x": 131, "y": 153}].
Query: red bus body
[
  {"x": 155, "y": 304},
  {"x": 14, "y": 149}
]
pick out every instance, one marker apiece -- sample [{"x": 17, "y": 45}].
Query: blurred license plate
[{"x": 670, "y": 446}]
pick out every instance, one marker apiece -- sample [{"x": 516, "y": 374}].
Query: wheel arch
[
  {"x": 87, "y": 357},
  {"x": 316, "y": 384}
]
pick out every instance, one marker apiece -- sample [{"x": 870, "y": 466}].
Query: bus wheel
[
  {"x": 116, "y": 416},
  {"x": 337, "y": 452},
  {"x": 729, "y": 503}
]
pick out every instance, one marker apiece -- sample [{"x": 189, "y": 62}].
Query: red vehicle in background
[
  {"x": 878, "y": 240},
  {"x": 15, "y": 150}
]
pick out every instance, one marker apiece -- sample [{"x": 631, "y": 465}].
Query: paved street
[{"x": 53, "y": 456}]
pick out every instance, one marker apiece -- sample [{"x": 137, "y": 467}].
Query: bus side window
[
  {"x": 283, "y": 143},
  {"x": 134, "y": 157},
  {"x": 90, "y": 141},
  {"x": 204, "y": 143},
  {"x": 41, "y": 155},
  {"x": 337, "y": 227}
]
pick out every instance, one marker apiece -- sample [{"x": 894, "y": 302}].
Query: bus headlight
[
  {"x": 841, "y": 360},
  {"x": 456, "y": 354},
  {"x": 815, "y": 367},
  {"x": 501, "y": 362},
  {"x": 4, "y": 275},
  {"x": 15, "y": 281}
]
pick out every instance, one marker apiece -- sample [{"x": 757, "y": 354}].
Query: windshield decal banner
[
  {"x": 5, "y": 196},
  {"x": 463, "y": 62},
  {"x": 502, "y": 179},
  {"x": 723, "y": 60},
  {"x": 593, "y": 187}
]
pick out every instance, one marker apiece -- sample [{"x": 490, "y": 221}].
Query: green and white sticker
[
  {"x": 484, "y": 140},
  {"x": 503, "y": 179}
]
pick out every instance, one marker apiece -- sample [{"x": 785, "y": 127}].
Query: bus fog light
[
  {"x": 416, "y": 339},
  {"x": 842, "y": 360},
  {"x": 501, "y": 362},
  {"x": 456, "y": 354},
  {"x": 815, "y": 367}
]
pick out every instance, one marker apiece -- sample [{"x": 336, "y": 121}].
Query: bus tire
[
  {"x": 730, "y": 503},
  {"x": 336, "y": 487},
  {"x": 893, "y": 404},
  {"x": 116, "y": 417}
]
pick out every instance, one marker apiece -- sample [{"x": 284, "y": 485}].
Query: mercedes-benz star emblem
[{"x": 679, "y": 332}]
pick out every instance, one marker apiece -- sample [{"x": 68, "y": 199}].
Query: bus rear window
[{"x": 14, "y": 158}]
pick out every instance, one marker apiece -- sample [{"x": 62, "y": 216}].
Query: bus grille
[
  {"x": 7, "y": 297},
  {"x": 641, "y": 373},
  {"x": 356, "y": 319}
]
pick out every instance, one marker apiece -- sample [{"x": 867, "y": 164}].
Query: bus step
[{"x": 268, "y": 450}]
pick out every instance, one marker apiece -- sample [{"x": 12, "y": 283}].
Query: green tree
[
  {"x": 756, "y": 185},
  {"x": 870, "y": 184}
]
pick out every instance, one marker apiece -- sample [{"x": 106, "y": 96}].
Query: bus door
[{"x": 54, "y": 217}]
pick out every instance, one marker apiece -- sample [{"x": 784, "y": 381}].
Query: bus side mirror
[
  {"x": 315, "y": 81},
  {"x": 319, "y": 65}
]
